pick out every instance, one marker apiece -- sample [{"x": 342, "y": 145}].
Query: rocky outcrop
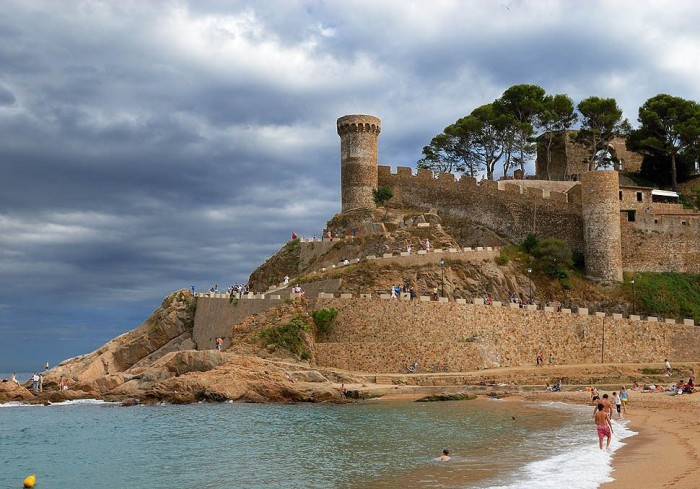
[
  {"x": 9, "y": 391},
  {"x": 166, "y": 329},
  {"x": 156, "y": 362}
]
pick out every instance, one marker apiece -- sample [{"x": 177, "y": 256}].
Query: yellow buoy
[{"x": 30, "y": 481}]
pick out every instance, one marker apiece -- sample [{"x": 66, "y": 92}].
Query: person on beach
[
  {"x": 605, "y": 401},
  {"x": 35, "y": 382},
  {"x": 603, "y": 426},
  {"x": 13, "y": 378},
  {"x": 445, "y": 456},
  {"x": 624, "y": 398},
  {"x": 219, "y": 343},
  {"x": 618, "y": 404},
  {"x": 343, "y": 391},
  {"x": 667, "y": 364}
]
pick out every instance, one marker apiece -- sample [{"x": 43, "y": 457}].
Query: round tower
[
  {"x": 358, "y": 160},
  {"x": 602, "y": 241}
]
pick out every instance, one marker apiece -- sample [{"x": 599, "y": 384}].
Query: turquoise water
[{"x": 369, "y": 445}]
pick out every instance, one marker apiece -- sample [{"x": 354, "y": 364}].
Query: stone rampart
[
  {"x": 384, "y": 336},
  {"x": 215, "y": 317},
  {"x": 661, "y": 244},
  {"x": 514, "y": 211}
]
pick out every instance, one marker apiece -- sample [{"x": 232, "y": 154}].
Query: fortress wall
[
  {"x": 667, "y": 246},
  {"x": 215, "y": 317},
  {"x": 383, "y": 336},
  {"x": 514, "y": 212}
]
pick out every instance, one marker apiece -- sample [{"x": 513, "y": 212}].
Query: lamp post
[
  {"x": 529, "y": 278},
  {"x": 634, "y": 299},
  {"x": 602, "y": 344},
  {"x": 442, "y": 270}
]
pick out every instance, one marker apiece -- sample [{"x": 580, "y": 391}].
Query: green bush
[
  {"x": 382, "y": 194},
  {"x": 530, "y": 243},
  {"x": 324, "y": 319},
  {"x": 651, "y": 371},
  {"x": 290, "y": 336},
  {"x": 502, "y": 259}
]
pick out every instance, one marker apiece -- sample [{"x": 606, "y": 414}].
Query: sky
[{"x": 149, "y": 146}]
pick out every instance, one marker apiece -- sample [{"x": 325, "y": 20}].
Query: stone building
[
  {"x": 617, "y": 228},
  {"x": 569, "y": 159}
]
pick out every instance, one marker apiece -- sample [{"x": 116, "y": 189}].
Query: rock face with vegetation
[{"x": 156, "y": 362}]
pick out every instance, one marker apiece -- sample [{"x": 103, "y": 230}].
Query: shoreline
[{"x": 665, "y": 452}]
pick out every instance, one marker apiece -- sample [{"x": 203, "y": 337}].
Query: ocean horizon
[{"x": 373, "y": 444}]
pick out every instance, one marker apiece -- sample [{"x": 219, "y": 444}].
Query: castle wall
[
  {"x": 601, "y": 220},
  {"x": 358, "y": 160},
  {"x": 384, "y": 336},
  {"x": 661, "y": 243},
  {"x": 514, "y": 211}
]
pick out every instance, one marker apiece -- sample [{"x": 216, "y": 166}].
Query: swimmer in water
[{"x": 445, "y": 456}]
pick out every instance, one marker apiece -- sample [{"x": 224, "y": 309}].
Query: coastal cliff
[{"x": 157, "y": 362}]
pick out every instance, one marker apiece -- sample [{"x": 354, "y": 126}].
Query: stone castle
[{"x": 618, "y": 228}]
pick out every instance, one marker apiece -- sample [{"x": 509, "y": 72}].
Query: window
[
  {"x": 620, "y": 194},
  {"x": 640, "y": 197}
]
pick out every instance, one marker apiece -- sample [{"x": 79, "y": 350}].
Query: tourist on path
[{"x": 603, "y": 426}]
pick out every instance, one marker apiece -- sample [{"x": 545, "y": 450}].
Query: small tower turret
[{"x": 358, "y": 160}]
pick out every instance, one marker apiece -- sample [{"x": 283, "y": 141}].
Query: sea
[{"x": 371, "y": 444}]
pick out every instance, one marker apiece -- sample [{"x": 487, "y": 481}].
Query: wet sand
[{"x": 665, "y": 453}]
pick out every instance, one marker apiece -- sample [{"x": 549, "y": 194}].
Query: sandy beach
[{"x": 665, "y": 453}]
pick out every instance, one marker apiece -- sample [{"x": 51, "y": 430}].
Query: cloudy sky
[{"x": 148, "y": 146}]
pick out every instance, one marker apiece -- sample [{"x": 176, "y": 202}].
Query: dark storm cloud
[{"x": 148, "y": 146}]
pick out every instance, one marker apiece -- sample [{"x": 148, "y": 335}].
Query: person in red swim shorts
[{"x": 603, "y": 426}]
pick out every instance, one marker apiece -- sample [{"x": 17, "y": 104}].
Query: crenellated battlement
[
  {"x": 359, "y": 123},
  {"x": 448, "y": 182},
  {"x": 645, "y": 236}
]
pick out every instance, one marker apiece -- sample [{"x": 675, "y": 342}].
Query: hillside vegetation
[{"x": 553, "y": 277}]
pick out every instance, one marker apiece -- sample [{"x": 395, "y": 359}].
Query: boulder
[{"x": 9, "y": 391}]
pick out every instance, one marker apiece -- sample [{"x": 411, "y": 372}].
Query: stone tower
[
  {"x": 358, "y": 160},
  {"x": 602, "y": 241}
]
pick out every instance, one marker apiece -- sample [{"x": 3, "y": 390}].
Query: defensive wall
[
  {"x": 384, "y": 336},
  {"x": 514, "y": 211},
  {"x": 215, "y": 315}
]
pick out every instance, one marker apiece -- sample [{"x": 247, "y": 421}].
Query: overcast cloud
[{"x": 148, "y": 146}]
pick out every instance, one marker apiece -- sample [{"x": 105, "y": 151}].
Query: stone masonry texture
[
  {"x": 384, "y": 336},
  {"x": 358, "y": 160},
  {"x": 601, "y": 221}
]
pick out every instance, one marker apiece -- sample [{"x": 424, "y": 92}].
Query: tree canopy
[
  {"x": 504, "y": 131},
  {"x": 669, "y": 131},
  {"x": 601, "y": 121}
]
